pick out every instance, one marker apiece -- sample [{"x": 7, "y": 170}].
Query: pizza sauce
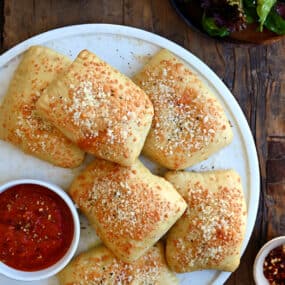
[{"x": 36, "y": 227}]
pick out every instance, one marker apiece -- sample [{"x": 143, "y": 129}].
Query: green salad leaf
[
  {"x": 275, "y": 22},
  {"x": 263, "y": 9},
  {"x": 249, "y": 3},
  {"x": 249, "y": 7},
  {"x": 212, "y": 29},
  {"x": 222, "y": 17}
]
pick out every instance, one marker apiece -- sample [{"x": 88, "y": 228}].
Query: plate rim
[{"x": 189, "y": 57}]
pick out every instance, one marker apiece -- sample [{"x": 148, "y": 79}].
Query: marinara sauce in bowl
[{"x": 39, "y": 229}]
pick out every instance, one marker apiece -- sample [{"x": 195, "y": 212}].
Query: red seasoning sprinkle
[
  {"x": 274, "y": 266},
  {"x": 103, "y": 109},
  {"x": 216, "y": 224},
  {"x": 100, "y": 266},
  {"x": 19, "y": 122},
  {"x": 30, "y": 130},
  {"x": 127, "y": 214},
  {"x": 187, "y": 118},
  {"x": 122, "y": 203},
  {"x": 215, "y": 221}
]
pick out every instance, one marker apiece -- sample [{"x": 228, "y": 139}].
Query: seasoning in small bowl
[
  {"x": 39, "y": 229},
  {"x": 274, "y": 265},
  {"x": 269, "y": 265}
]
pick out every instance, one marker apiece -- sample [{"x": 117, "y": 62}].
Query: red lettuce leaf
[{"x": 226, "y": 13}]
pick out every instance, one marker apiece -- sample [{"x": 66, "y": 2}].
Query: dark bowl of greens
[{"x": 249, "y": 21}]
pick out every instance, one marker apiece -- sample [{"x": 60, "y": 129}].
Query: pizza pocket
[
  {"x": 99, "y": 109},
  {"x": 99, "y": 266},
  {"x": 130, "y": 208},
  {"x": 19, "y": 122},
  {"x": 189, "y": 123},
  {"x": 210, "y": 233}
]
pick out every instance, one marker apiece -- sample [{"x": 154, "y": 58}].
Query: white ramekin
[
  {"x": 55, "y": 268},
  {"x": 258, "y": 275}
]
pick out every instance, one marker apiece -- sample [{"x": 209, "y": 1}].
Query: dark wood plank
[
  {"x": 276, "y": 95},
  {"x": 276, "y": 186},
  {"x": 26, "y": 18},
  {"x": 1, "y": 23},
  {"x": 276, "y": 162},
  {"x": 275, "y": 205},
  {"x": 132, "y": 9}
]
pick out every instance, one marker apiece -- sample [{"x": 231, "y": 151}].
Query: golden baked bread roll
[
  {"x": 210, "y": 233},
  {"x": 99, "y": 266},
  {"x": 99, "y": 109},
  {"x": 189, "y": 123},
  {"x": 130, "y": 208},
  {"x": 19, "y": 122}
]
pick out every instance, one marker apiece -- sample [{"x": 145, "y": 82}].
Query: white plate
[{"x": 128, "y": 49}]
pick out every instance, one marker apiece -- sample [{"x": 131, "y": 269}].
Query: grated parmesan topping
[
  {"x": 106, "y": 269},
  {"x": 186, "y": 119},
  {"x": 215, "y": 226},
  {"x": 34, "y": 132},
  {"x": 23, "y": 126},
  {"x": 102, "y": 107},
  {"x": 126, "y": 208}
]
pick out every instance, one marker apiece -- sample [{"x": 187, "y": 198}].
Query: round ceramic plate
[{"x": 128, "y": 49}]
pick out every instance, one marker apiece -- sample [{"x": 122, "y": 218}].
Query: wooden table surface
[{"x": 254, "y": 74}]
